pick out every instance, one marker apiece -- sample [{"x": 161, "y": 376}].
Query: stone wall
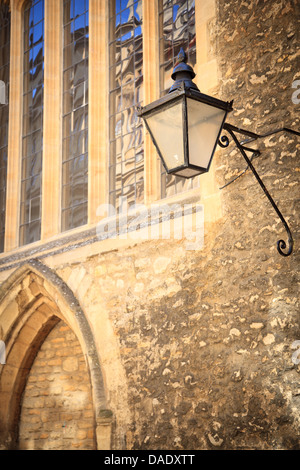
[
  {"x": 205, "y": 340},
  {"x": 56, "y": 406}
]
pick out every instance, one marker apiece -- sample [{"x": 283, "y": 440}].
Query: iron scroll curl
[
  {"x": 284, "y": 249},
  {"x": 223, "y": 141}
]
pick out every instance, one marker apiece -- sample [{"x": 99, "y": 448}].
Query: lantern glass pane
[
  {"x": 166, "y": 127},
  {"x": 204, "y": 124}
]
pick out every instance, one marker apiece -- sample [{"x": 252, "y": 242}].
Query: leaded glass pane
[
  {"x": 75, "y": 114},
  {"x": 126, "y": 156},
  {"x": 32, "y": 131},
  {"x": 176, "y": 30}
]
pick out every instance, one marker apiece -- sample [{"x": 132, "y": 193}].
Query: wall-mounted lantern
[{"x": 186, "y": 126}]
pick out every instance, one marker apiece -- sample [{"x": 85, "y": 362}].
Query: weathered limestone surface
[{"x": 205, "y": 341}]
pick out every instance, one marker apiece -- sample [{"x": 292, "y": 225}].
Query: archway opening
[{"x": 56, "y": 405}]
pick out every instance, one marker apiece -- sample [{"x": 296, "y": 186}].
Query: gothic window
[
  {"x": 75, "y": 114},
  {"x": 176, "y": 30},
  {"x": 32, "y": 142},
  {"x": 4, "y": 79},
  {"x": 126, "y": 153}
]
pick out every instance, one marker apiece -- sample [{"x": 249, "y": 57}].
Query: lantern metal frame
[
  {"x": 181, "y": 93},
  {"x": 184, "y": 87}
]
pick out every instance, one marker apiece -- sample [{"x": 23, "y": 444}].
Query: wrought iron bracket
[{"x": 241, "y": 145}]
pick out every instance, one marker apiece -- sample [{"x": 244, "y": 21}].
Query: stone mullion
[
  {"x": 51, "y": 189},
  {"x": 206, "y": 67},
  {"x": 206, "y": 79},
  {"x": 15, "y": 129},
  {"x": 151, "y": 93},
  {"x": 98, "y": 107}
]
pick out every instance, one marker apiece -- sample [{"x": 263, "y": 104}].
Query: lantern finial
[
  {"x": 183, "y": 73},
  {"x": 182, "y": 57}
]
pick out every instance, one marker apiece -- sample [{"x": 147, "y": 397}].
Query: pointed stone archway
[{"x": 32, "y": 301}]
